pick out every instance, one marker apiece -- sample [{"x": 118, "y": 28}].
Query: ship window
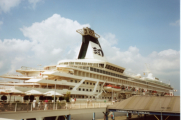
[
  {"x": 83, "y": 82},
  {"x": 79, "y": 89},
  {"x": 95, "y": 65},
  {"x": 82, "y": 96},
  {"x": 93, "y": 83},
  {"x": 70, "y": 88},
  {"x": 90, "y": 89},
  {"x": 96, "y": 90},
  {"x": 65, "y": 63},
  {"x": 91, "y": 69},
  {"x": 60, "y": 63},
  {"x": 90, "y": 83},
  {"x": 87, "y": 82},
  {"x": 83, "y": 89},
  {"x": 84, "y": 63},
  {"x": 89, "y": 63},
  {"x": 75, "y": 81},
  {"x": 71, "y": 80},
  {"x": 86, "y": 89},
  {"x": 101, "y": 65}
]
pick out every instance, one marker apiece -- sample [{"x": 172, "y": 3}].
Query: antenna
[
  {"x": 147, "y": 68},
  {"x": 169, "y": 82}
]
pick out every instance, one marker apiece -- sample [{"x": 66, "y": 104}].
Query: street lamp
[
  {"x": 39, "y": 65},
  {"x": 54, "y": 93},
  {"x": 112, "y": 94}
]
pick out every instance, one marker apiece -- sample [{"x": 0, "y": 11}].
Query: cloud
[
  {"x": 56, "y": 51},
  {"x": 176, "y": 23},
  {"x": 1, "y": 23},
  {"x": 55, "y": 35},
  {"x": 47, "y": 42},
  {"x": 161, "y": 64},
  {"x": 6, "y": 5},
  {"x": 34, "y": 2},
  {"x": 55, "y": 38}
]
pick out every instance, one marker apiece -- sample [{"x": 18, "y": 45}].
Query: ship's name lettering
[{"x": 98, "y": 51}]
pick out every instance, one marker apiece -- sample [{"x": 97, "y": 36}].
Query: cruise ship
[{"x": 89, "y": 76}]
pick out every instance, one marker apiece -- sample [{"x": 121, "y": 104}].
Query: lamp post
[
  {"x": 112, "y": 94},
  {"x": 39, "y": 65},
  {"x": 54, "y": 94}
]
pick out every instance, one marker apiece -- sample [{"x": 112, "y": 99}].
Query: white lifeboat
[{"x": 110, "y": 88}]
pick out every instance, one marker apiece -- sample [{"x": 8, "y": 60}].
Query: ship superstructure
[{"x": 88, "y": 76}]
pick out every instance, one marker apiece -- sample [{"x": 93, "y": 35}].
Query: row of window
[
  {"x": 82, "y": 96},
  {"x": 106, "y": 72},
  {"x": 83, "y": 63},
  {"x": 94, "y": 65},
  {"x": 114, "y": 68},
  {"x": 76, "y": 81},
  {"x": 85, "y": 89},
  {"x": 88, "y": 83}
]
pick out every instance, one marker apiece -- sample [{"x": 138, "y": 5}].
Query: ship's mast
[
  {"x": 90, "y": 40},
  {"x": 88, "y": 31}
]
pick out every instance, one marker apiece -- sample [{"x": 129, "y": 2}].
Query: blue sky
[
  {"x": 136, "y": 23},
  {"x": 136, "y": 31}
]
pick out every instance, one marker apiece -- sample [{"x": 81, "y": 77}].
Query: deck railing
[{"x": 16, "y": 107}]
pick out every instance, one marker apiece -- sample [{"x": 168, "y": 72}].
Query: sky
[{"x": 133, "y": 33}]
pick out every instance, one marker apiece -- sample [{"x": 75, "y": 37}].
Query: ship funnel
[{"x": 90, "y": 48}]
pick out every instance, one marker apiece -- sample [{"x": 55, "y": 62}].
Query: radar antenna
[
  {"x": 147, "y": 68},
  {"x": 88, "y": 31}
]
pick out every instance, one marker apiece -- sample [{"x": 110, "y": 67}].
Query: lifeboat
[{"x": 110, "y": 88}]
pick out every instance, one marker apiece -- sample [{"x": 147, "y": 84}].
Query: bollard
[
  {"x": 93, "y": 116},
  {"x": 68, "y": 117},
  {"x": 113, "y": 115},
  {"x": 161, "y": 116},
  {"x": 31, "y": 107},
  {"x": 15, "y": 107}
]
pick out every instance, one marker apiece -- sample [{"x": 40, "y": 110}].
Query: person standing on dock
[
  {"x": 34, "y": 103},
  {"x": 91, "y": 101},
  {"x": 74, "y": 100},
  {"x": 46, "y": 106},
  {"x": 87, "y": 101}
]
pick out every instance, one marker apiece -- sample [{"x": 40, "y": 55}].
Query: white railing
[{"x": 16, "y": 107}]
